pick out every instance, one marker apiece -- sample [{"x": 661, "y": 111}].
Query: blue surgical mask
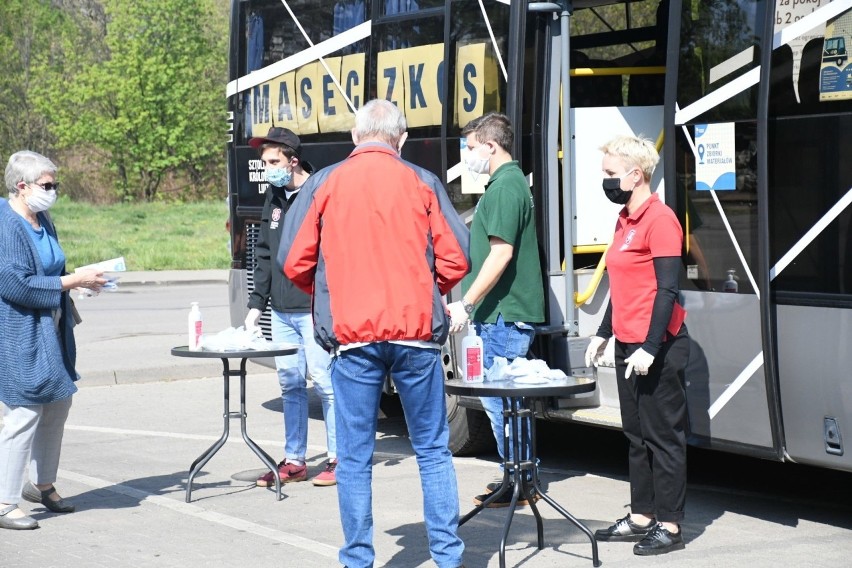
[{"x": 279, "y": 177}]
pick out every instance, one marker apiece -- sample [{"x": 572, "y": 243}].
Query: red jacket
[{"x": 377, "y": 242}]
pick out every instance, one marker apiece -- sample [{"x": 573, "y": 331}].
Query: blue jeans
[
  {"x": 292, "y": 376},
  {"x": 510, "y": 340},
  {"x": 358, "y": 375}
]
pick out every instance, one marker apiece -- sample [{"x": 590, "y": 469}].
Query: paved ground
[{"x": 128, "y": 447}]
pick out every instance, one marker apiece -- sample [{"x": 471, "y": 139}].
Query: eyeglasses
[{"x": 49, "y": 186}]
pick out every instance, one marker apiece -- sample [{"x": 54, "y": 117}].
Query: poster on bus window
[
  {"x": 714, "y": 160},
  {"x": 835, "y": 75}
]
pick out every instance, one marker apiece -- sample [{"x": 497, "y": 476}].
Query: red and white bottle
[
  {"x": 194, "y": 328},
  {"x": 472, "y": 352}
]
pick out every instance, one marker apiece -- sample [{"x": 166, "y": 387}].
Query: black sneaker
[
  {"x": 624, "y": 530},
  {"x": 505, "y": 499},
  {"x": 659, "y": 541}
]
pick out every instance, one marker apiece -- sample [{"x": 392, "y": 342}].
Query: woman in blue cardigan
[{"x": 37, "y": 350}]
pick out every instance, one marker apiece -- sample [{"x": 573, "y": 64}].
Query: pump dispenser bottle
[
  {"x": 730, "y": 284},
  {"x": 472, "y": 352},
  {"x": 194, "y": 328}
]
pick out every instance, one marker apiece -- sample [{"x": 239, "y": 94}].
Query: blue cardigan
[{"x": 36, "y": 363}]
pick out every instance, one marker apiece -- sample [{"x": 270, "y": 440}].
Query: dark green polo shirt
[{"x": 506, "y": 211}]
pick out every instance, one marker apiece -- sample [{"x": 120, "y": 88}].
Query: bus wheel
[{"x": 470, "y": 430}]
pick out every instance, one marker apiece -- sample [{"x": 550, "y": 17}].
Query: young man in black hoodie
[{"x": 291, "y": 313}]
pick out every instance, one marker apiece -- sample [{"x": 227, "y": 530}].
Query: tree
[
  {"x": 35, "y": 39},
  {"x": 154, "y": 106}
]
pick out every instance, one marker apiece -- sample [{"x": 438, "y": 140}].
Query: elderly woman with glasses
[{"x": 37, "y": 350}]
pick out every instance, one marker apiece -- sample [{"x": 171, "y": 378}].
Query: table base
[
  {"x": 514, "y": 412},
  {"x": 196, "y": 466}
]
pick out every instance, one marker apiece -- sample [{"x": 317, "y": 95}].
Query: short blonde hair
[{"x": 635, "y": 151}]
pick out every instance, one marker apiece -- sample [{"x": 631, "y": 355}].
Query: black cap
[{"x": 278, "y": 135}]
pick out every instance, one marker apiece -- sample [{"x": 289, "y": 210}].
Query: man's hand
[
  {"x": 252, "y": 319},
  {"x": 594, "y": 350},
  {"x": 640, "y": 362},
  {"x": 458, "y": 316}
]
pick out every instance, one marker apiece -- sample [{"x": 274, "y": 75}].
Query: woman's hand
[{"x": 90, "y": 279}]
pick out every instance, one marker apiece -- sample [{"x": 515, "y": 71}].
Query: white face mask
[
  {"x": 475, "y": 164},
  {"x": 40, "y": 199}
]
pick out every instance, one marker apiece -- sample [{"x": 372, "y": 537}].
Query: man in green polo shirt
[{"x": 503, "y": 294}]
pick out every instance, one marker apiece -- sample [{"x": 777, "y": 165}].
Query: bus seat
[
  {"x": 594, "y": 91},
  {"x": 782, "y": 99},
  {"x": 647, "y": 90},
  {"x": 809, "y": 76}
]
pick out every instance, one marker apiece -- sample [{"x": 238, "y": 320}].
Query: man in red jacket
[{"x": 377, "y": 242}]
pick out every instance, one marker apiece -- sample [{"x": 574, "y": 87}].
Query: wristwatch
[{"x": 468, "y": 307}]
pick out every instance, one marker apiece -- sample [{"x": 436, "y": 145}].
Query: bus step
[{"x": 607, "y": 416}]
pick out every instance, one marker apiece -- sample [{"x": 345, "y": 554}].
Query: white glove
[
  {"x": 458, "y": 316},
  {"x": 252, "y": 319},
  {"x": 640, "y": 361},
  {"x": 594, "y": 350}
]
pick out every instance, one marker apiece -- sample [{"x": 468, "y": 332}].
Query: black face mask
[{"x": 612, "y": 188}]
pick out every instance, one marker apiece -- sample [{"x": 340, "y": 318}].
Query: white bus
[{"x": 752, "y": 124}]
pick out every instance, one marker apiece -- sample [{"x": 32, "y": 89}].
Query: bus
[{"x": 749, "y": 120}]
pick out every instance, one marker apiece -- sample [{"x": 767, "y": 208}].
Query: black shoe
[
  {"x": 624, "y": 530},
  {"x": 505, "y": 499},
  {"x": 34, "y": 495},
  {"x": 659, "y": 541}
]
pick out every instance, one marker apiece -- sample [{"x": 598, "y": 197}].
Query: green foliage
[
  {"x": 34, "y": 41},
  {"x": 150, "y": 236},
  {"x": 141, "y": 93}
]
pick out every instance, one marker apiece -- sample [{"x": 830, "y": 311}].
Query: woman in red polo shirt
[{"x": 651, "y": 348}]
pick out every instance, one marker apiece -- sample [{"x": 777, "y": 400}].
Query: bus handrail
[
  {"x": 603, "y": 71},
  {"x": 580, "y": 299}
]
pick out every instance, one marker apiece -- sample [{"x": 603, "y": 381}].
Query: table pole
[
  {"x": 226, "y": 415},
  {"x": 264, "y": 457}
]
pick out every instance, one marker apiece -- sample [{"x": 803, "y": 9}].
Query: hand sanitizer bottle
[
  {"x": 472, "y": 351},
  {"x": 194, "y": 328},
  {"x": 730, "y": 285}
]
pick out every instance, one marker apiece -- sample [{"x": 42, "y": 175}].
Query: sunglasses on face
[{"x": 48, "y": 186}]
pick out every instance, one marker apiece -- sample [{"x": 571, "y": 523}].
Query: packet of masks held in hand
[{"x": 112, "y": 265}]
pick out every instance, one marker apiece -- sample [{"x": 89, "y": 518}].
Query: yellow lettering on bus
[
  {"x": 307, "y": 101},
  {"x": 421, "y": 67},
  {"x": 476, "y": 82},
  {"x": 308, "y": 97},
  {"x": 390, "y": 83}
]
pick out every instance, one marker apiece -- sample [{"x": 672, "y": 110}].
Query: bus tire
[{"x": 470, "y": 429}]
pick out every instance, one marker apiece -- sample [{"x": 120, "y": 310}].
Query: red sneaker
[
  {"x": 288, "y": 473},
  {"x": 326, "y": 477}
]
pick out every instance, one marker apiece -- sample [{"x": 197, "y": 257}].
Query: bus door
[
  {"x": 713, "y": 168},
  {"x": 810, "y": 230}
]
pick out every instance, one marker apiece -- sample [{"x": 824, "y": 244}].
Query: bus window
[
  {"x": 619, "y": 35},
  {"x": 718, "y": 44},
  {"x": 391, "y": 7}
]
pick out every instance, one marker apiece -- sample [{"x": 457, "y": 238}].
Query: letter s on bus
[{"x": 469, "y": 103}]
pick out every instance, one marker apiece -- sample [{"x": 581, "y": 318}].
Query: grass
[{"x": 150, "y": 236}]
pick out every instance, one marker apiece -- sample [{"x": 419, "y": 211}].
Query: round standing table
[
  {"x": 227, "y": 373},
  {"x": 518, "y": 407}
]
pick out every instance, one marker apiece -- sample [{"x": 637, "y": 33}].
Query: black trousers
[{"x": 653, "y": 416}]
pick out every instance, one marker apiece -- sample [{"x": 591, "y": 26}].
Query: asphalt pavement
[{"x": 129, "y": 444}]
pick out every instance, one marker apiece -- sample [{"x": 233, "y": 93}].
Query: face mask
[
  {"x": 279, "y": 177},
  {"x": 40, "y": 200},
  {"x": 613, "y": 191},
  {"x": 475, "y": 164}
]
